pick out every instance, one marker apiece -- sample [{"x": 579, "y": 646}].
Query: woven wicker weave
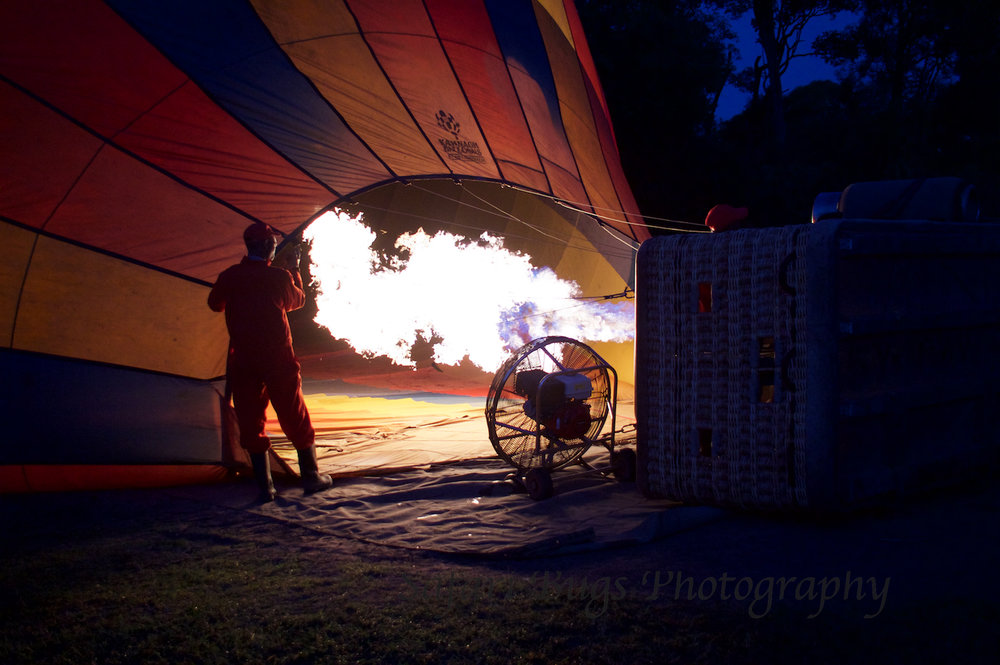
[
  {"x": 710, "y": 438},
  {"x": 888, "y": 321}
]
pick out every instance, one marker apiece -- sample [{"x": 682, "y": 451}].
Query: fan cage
[{"x": 519, "y": 438}]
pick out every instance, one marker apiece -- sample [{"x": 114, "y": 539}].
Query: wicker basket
[{"x": 818, "y": 366}]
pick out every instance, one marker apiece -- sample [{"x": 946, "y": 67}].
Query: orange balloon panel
[
  {"x": 17, "y": 244},
  {"x": 138, "y": 138},
  {"x": 82, "y": 304}
]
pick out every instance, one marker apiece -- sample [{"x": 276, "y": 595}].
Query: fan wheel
[{"x": 552, "y": 434}]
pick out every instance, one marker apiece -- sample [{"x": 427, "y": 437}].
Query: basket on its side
[{"x": 820, "y": 366}]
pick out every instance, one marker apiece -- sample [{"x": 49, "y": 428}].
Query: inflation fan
[{"x": 547, "y": 405}]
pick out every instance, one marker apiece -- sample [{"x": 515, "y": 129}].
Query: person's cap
[
  {"x": 723, "y": 217},
  {"x": 258, "y": 232}
]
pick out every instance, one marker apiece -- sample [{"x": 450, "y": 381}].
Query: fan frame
[{"x": 577, "y": 447}]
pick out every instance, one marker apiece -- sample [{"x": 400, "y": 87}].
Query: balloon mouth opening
[{"x": 441, "y": 298}]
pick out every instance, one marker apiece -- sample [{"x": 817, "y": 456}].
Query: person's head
[{"x": 261, "y": 241}]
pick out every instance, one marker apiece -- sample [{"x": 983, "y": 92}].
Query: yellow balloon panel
[
  {"x": 621, "y": 356},
  {"x": 578, "y": 121},
  {"x": 17, "y": 244},
  {"x": 528, "y": 223},
  {"x": 310, "y": 20},
  {"x": 557, "y": 11},
  {"x": 328, "y": 48},
  {"x": 345, "y": 73},
  {"x": 82, "y": 304},
  {"x": 588, "y": 268},
  {"x": 548, "y": 227}
]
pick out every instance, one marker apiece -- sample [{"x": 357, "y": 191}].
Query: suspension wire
[
  {"x": 579, "y": 208},
  {"x": 493, "y": 211},
  {"x": 469, "y": 227},
  {"x": 628, "y": 242},
  {"x": 480, "y": 229},
  {"x": 508, "y": 215},
  {"x": 677, "y": 225},
  {"x": 500, "y": 212},
  {"x": 628, "y": 293},
  {"x": 621, "y": 216},
  {"x": 533, "y": 315}
]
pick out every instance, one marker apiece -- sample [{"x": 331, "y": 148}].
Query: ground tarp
[{"x": 418, "y": 471}]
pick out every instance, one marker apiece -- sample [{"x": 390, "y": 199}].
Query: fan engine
[
  {"x": 547, "y": 405},
  {"x": 556, "y": 401}
]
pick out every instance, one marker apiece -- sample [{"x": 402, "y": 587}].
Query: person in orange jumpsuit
[{"x": 262, "y": 367}]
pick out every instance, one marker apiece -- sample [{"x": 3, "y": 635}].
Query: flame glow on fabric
[
  {"x": 139, "y": 138},
  {"x": 473, "y": 299}
]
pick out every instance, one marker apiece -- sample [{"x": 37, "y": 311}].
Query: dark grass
[{"x": 125, "y": 582}]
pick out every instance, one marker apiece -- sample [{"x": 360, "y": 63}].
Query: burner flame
[{"x": 467, "y": 298}]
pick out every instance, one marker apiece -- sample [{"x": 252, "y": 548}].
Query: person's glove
[{"x": 290, "y": 257}]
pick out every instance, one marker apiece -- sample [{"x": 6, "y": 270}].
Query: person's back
[
  {"x": 255, "y": 297},
  {"x": 262, "y": 367}
]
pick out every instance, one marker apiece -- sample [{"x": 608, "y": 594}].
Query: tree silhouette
[
  {"x": 663, "y": 66},
  {"x": 923, "y": 72},
  {"x": 916, "y": 97},
  {"x": 779, "y": 25}
]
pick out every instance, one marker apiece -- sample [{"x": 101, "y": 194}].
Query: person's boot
[
  {"x": 262, "y": 474},
  {"x": 312, "y": 479}
]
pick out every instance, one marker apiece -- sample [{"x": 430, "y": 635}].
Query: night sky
[{"x": 800, "y": 71}]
